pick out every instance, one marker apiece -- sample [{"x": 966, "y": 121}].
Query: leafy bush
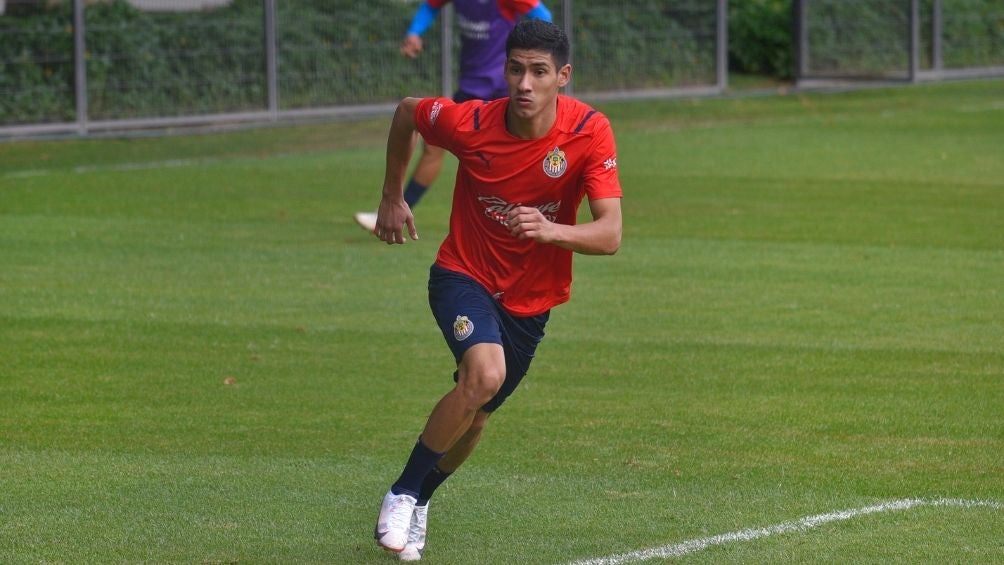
[
  {"x": 36, "y": 67},
  {"x": 870, "y": 36},
  {"x": 643, "y": 44},
  {"x": 973, "y": 33},
  {"x": 760, "y": 40},
  {"x": 331, "y": 52}
]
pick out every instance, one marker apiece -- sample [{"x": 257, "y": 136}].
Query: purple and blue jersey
[{"x": 484, "y": 27}]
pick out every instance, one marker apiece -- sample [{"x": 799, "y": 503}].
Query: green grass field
[{"x": 806, "y": 316}]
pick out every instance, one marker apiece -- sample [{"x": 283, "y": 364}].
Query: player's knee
[{"x": 481, "y": 384}]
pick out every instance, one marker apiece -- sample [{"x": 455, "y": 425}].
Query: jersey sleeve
[
  {"x": 512, "y": 10},
  {"x": 424, "y": 16},
  {"x": 540, "y": 13},
  {"x": 600, "y": 177},
  {"x": 437, "y": 119}
]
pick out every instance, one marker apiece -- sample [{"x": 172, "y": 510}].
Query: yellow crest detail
[
  {"x": 555, "y": 163},
  {"x": 463, "y": 327}
]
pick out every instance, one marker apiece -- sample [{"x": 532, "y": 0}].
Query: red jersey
[{"x": 498, "y": 172}]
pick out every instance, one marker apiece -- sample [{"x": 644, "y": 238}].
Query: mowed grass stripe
[{"x": 805, "y": 316}]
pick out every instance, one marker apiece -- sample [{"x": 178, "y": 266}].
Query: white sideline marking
[{"x": 694, "y": 545}]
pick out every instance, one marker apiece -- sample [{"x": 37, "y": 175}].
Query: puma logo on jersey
[{"x": 485, "y": 160}]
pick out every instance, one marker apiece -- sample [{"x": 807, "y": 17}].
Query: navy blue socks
[
  {"x": 421, "y": 461},
  {"x": 431, "y": 483},
  {"x": 414, "y": 192}
]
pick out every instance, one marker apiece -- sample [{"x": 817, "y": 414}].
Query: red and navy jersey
[
  {"x": 484, "y": 28},
  {"x": 497, "y": 172}
]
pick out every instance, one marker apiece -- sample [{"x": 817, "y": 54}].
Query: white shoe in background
[{"x": 366, "y": 220}]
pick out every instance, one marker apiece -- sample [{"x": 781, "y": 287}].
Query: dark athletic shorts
[{"x": 467, "y": 314}]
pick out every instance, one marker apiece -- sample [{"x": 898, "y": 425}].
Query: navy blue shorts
[{"x": 468, "y": 315}]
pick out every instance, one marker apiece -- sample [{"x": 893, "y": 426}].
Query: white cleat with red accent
[{"x": 394, "y": 522}]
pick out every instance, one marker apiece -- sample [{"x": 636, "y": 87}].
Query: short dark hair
[{"x": 538, "y": 35}]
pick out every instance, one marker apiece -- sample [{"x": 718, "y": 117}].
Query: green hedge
[
  {"x": 869, "y": 36},
  {"x": 862, "y": 36},
  {"x": 643, "y": 44},
  {"x": 154, "y": 64},
  {"x": 760, "y": 40},
  {"x": 331, "y": 52},
  {"x": 36, "y": 67}
]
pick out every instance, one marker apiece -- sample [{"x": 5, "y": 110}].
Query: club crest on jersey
[
  {"x": 434, "y": 113},
  {"x": 555, "y": 163},
  {"x": 463, "y": 327}
]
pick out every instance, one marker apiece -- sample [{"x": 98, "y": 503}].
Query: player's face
[{"x": 533, "y": 81}]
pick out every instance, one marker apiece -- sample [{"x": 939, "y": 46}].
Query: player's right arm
[
  {"x": 424, "y": 16},
  {"x": 394, "y": 213}
]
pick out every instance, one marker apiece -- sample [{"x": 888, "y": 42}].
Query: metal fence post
[
  {"x": 80, "y": 66},
  {"x": 566, "y": 22},
  {"x": 801, "y": 38},
  {"x": 271, "y": 60},
  {"x": 722, "y": 45},
  {"x": 914, "y": 40},
  {"x": 937, "y": 28},
  {"x": 446, "y": 57}
]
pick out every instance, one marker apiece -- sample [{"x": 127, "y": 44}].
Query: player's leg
[
  {"x": 481, "y": 373},
  {"x": 521, "y": 337},
  {"x": 467, "y": 316},
  {"x": 462, "y": 449},
  {"x": 454, "y": 458},
  {"x": 430, "y": 163},
  {"x": 480, "y": 376}
]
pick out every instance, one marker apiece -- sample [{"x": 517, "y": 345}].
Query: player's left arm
[{"x": 601, "y": 236}]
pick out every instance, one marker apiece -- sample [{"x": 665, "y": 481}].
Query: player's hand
[
  {"x": 411, "y": 46},
  {"x": 392, "y": 216},
  {"x": 526, "y": 222}
]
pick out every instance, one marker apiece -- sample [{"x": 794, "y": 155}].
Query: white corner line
[{"x": 799, "y": 525}]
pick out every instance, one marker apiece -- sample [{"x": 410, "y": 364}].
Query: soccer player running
[
  {"x": 484, "y": 26},
  {"x": 525, "y": 164}
]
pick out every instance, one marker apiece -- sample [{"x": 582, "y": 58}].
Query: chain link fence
[
  {"x": 899, "y": 39},
  {"x": 80, "y": 66}
]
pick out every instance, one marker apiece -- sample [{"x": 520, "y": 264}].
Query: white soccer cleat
[
  {"x": 366, "y": 220},
  {"x": 415, "y": 547},
  {"x": 392, "y": 526}
]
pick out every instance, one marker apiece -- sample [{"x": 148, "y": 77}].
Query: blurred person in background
[{"x": 484, "y": 26}]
